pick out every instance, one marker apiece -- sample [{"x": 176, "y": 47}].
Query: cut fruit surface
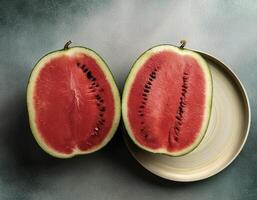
[
  {"x": 73, "y": 102},
  {"x": 167, "y": 99}
]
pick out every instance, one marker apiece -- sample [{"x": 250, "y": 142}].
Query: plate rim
[{"x": 248, "y": 122}]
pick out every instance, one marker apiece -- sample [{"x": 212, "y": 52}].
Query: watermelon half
[
  {"x": 73, "y": 102},
  {"x": 167, "y": 99}
]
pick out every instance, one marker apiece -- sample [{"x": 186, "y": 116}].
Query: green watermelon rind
[
  {"x": 31, "y": 111},
  {"x": 208, "y": 106}
]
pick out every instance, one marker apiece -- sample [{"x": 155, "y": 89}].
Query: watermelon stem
[
  {"x": 66, "y": 46},
  {"x": 183, "y": 44}
]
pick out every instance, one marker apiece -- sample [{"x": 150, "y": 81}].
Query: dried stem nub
[
  {"x": 183, "y": 44},
  {"x": 66, "y": 46}
]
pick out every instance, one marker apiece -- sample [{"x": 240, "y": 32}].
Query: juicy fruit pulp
[
  {"x": 167, "y": 100},
  {"x": 73, "y": 102}
]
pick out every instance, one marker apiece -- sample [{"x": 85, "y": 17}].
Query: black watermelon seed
[
  {"x": 145, "y": 98},
  {"x": 78, "y": 64},
  {"x": 98, "y": 104},
  {"x": 154, "y": 73},
  {"x": 176, "y": 130},
  {"x": 101, "y": 100},
  {"x": 184, "y": 86},
  {"x": 178, "y": 118},
  {"x": 142, "y": 115},
  {"x": 150, "y": 79},
  {"x": 147, "y": 86},
  {"x": 93, "y": 83},
  {"x": 152, "y": 76},
  {"x": 98, "y": 96},
  {"x": 89, "y": 75},
  {"x": 145, "y": 95},
  {"x": 101, "y": 115},
  {"x": 85, "y": 70},
  {"x": 94, "y": 79},
  {"x": 149, "y": 83},
  {"x": 179, "y": 123},
  {"x": 147, "y": 91}
]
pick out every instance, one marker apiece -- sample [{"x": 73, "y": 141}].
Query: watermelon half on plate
[{"x": 167, "y": 98}]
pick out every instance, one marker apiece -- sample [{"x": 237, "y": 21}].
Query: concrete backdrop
[{"x": 119, "y": 31}]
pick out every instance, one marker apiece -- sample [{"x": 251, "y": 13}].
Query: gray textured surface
[{"x": 119, "y": 31}]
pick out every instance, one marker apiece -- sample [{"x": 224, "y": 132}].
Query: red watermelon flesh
[
  {"x": 74, "y": 101},
  {"x": 167, "y": 100}
]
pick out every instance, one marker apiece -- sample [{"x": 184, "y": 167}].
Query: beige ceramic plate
[{"x": 225, "y": 137}]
